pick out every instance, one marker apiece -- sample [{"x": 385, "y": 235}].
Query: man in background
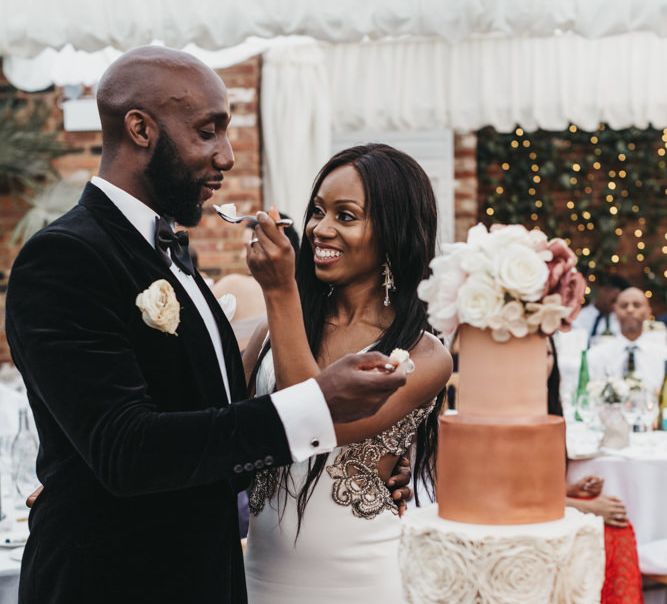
[
  {"x": 631, "y": 352},
  {"x": 598, "y": 318}
]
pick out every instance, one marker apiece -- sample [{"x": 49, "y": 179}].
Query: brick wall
[
  {"x": 465, "y": 184},
  {"x": 218, "y": 245}
]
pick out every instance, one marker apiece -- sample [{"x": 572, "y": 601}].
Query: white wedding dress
[{"x": 347, "y": 549}]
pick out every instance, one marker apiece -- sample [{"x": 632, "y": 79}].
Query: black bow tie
[{"x": 166, "y": 239}]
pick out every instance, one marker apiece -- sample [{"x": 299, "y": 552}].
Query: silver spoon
[{"x": 252, "y": 221}]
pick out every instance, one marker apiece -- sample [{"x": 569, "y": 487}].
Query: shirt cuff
[{"x": 306, "y": 419}]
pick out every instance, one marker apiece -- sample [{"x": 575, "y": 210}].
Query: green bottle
[
  {"x": 663, "y": 402},
  {"x": 581, "y": 396}
]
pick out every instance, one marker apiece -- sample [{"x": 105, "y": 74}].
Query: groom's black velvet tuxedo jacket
[{"x": 140, "y": 450}]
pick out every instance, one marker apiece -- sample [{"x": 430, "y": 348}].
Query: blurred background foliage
[{"x": 605, "y": 192}]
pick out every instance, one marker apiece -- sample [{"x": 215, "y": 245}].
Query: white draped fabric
[
  {"x": 538, "y": 83},
  {"x": 422, "y": 85},
  {"x": 29, "y": 26},
  {"x": 296, "y": 124}
]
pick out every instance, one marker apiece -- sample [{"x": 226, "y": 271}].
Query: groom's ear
[{"x": 141, "y": 128}]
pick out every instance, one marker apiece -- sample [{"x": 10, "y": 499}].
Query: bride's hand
[
  {"x": 398, "y": 483},
  {"x": 270, "y": 255}
]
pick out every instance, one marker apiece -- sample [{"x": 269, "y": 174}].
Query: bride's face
[{"x": 340, "y": 231}]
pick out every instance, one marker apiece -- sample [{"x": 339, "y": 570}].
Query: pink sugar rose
[
  {"x": 563, "y": 261},
  {"x": 571, "y": 288}
]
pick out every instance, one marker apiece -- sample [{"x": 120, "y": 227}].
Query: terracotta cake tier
[
  {"x": 501, "y": 470},
  {"x": 508, "y": 378}
]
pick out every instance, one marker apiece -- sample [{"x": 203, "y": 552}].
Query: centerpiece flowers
[
  {"x": 510, "y": 280},
  {"x": 614, "y": 390}
]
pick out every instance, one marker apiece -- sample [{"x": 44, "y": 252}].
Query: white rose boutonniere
[{"x": 159, "y": 307}]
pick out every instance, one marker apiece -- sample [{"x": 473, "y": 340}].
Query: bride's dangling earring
[
  {"x": 331, "y": 290},
  {"x": 388, "y": 282}
]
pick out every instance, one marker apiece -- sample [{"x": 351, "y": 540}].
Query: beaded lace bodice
[{"x": 353, "y": 468}]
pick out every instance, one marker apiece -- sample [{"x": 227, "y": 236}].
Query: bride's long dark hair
[{"x": 402, "y": 208}]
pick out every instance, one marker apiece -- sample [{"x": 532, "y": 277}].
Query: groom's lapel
[
  {"x": 146, "y": 266},
  {"x": 230, "y": 347}
]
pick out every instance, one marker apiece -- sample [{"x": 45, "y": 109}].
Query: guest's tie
[
  {"x": 177, "y": 243},
  {"x": 595, "y": 327},
  {"x": 631, "y": 365}
]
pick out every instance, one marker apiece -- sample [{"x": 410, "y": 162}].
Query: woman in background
[{"x": 623, "y": 582}]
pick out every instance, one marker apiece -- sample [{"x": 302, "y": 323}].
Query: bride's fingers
[{"x": 269, "y": 228}]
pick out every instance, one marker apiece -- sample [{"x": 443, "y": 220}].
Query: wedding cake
[{"x": 500, "y": 532}]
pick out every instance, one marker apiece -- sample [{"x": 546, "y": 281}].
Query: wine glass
[
  {"x": 650, "y": 410},
  {"x": 587, "y": 409},
  {"x": 631, "y": 408}
]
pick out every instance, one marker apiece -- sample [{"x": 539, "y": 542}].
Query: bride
[{"x": 326, "y": 530}]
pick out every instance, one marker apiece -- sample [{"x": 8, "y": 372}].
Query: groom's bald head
[
  {"x": 159, "y": 81},
  {"x": 164, "y": 130}
]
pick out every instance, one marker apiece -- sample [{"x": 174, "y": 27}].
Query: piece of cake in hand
[{"x": 400, "y": 356}]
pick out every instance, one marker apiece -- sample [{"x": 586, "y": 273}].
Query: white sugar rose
[
  {"x": 159, "y": 307},
  {"x": 521, "y": 572},
  {"x": 547, "y": 316},
  {"x": 521, "y": 272},
  {"x": 510, "y": 321},
  {"x": 477, "y": 261},
  {"x": 440, "y": 291},
  {"x": 478, "y": 299},
  {"x": 437, "y": 567},
  {"x": 582, "y": 570}
]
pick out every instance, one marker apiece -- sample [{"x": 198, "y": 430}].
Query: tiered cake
[
  {"x": 500, "y": 533},
  {"x": 501, "y": 459}
]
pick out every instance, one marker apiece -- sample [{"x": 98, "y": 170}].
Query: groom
[{"x": 143, "y": 443}]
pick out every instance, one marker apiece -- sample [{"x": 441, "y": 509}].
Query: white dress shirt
[
  {"x": 301, "y": 408},
  {"x": 610, "y": 359},
  {"x": 586, "y": 320}
]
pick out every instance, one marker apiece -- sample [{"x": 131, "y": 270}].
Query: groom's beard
[{"x": 177, "y": 192}]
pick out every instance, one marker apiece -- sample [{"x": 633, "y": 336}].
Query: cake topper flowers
[{"x": 507, "y": 279}]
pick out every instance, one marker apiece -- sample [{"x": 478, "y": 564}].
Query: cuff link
[{"x": 315, "y": 443}]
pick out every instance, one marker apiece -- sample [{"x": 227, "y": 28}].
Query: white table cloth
[
  {"x": 638, "y": 476},
  {"x": 13, "y": 527}
]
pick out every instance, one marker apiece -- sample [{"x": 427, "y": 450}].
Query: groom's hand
[{"x": 357, "y": 385}]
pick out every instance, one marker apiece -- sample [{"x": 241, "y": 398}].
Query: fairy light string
[{"x": 604, "y": 192}]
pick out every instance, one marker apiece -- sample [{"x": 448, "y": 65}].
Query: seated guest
[
  {"x": 630, "y": 352},
  {"x": 598, "y": 318},
  {"x": 622, "y": 583},
  {"x": 241, "y": 296}
]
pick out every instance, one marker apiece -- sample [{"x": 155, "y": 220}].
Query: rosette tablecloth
[{"x": 444, "y": 562}]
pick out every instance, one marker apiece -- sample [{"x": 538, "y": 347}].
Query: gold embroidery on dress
[
  {"x": 356, "y": 481},
  {"x": 262, "y": 489},
  {"x": 354, "y": 472}
]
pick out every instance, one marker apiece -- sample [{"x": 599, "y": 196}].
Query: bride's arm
[
  {"x": 433, "y": 366},
  {"x": 272, "y": 262}
]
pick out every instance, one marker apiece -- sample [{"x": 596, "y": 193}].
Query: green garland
[
  {"x": 27, "y": 146},
  {"x": 604, "y": 191}
]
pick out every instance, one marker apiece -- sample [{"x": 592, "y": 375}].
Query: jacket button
[
  {"x": 315, "y": 443},
  {"x": 268, "y": 460},
  {"x": 249, "y": 467},
  {"x": 238, "y": 468},
  {"x": 259, "y": 464}
]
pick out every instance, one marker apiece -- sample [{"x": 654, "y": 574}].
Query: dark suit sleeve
[{"x": 69, "y": 338}]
